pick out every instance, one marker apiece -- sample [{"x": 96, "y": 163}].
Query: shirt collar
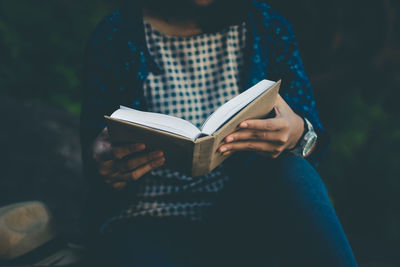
[{"x": 255, "y": 56}]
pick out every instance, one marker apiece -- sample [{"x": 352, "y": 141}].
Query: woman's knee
[{"x": 289, "y": 176}]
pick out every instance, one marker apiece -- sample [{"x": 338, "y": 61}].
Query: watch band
[{"x": 306, "y": 142}]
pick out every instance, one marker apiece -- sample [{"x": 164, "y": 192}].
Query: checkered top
[{"x": 201, "y": 73}]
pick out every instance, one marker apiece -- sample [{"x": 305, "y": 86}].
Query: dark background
[{"x": 351, "y": 53}]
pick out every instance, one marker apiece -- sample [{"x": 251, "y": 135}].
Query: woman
[{"x": 264, "y": 206}]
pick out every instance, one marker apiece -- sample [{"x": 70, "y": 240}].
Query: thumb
[
  {"x": 281, "y": 107},
  {"x": 278, "y": 107}
]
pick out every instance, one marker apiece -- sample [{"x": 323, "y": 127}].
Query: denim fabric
[{"x": 288, "y": 220}]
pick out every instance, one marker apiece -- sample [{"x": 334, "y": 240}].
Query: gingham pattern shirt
[{"x": 200, "y": 73}]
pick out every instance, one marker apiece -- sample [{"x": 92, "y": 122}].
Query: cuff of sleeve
[{"x": 323, "y": 142}]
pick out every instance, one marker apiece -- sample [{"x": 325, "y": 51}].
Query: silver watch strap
[{"x": 298, "y": 149}]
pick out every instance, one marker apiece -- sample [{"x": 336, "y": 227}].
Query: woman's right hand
[{"x": 120, "y": 164}]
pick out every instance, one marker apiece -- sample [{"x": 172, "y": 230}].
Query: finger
[
  {"x": 273, "y": 124},
  {"x": 106, "y": 168},
  {"x": 119, "y": 185},
  {"x": 248, "y": 134},
  {"x": 129, "y": 164},
  {"x": 279, "y": 100},
  {"x": 117, "y": 177},
  {"x": 139, "y": 172},
  {"x": 136, "y": 174},
  {"x": 228, "y": 153},
  {"x": 105, "y": 165},
  {"x": 281, "y": 107},
  {"x": 125, "y": 150},
  {"x": 251, "y": 146}
]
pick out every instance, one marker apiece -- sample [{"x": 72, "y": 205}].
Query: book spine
[{"x": 202, "y": 155}]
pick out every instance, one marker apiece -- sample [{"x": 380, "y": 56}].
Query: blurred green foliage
[
  {"x": 41, "y": 48},
  {"x": 350, "y": 50}
]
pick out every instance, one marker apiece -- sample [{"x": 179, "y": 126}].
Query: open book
[{"x": 186, "y": 147}]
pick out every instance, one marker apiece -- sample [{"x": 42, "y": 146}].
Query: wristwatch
[{"x": 307, "y": 142}]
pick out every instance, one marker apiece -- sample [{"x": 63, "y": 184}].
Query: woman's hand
[
  {"x": 120, "y": 164},
  {"x": 269, "y": 137}
]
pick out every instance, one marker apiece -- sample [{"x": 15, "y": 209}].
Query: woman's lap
[
  {"x": 271, "y": 213},
  {"x": 148, "y": 242},
  {"x": 303, "y": 224}
]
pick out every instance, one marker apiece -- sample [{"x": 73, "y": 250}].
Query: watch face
[{"x": 311, "y": 138}]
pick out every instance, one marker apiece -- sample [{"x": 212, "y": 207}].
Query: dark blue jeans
[{"x": 273, "y": 212}]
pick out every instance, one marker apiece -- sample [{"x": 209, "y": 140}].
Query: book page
[
  {"x": 220, "y": 116},
  {"x": 157, "y": 121}
]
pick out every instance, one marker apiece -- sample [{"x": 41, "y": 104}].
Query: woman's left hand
[{"x": 269, "y": 137}]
